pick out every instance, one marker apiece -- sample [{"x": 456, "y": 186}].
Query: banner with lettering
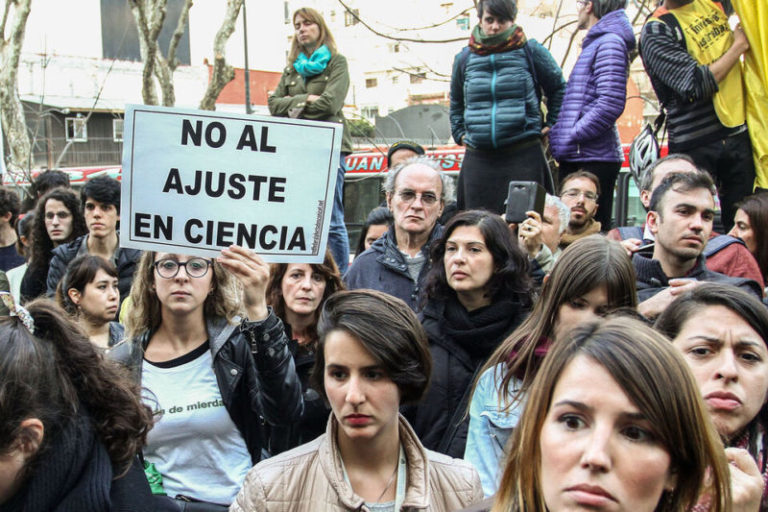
[{"x": 194, "y": 182}]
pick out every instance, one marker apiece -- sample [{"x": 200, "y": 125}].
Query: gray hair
[
  {"x": 562, "y": 211},
  {"x": 389, "y": 182},
  {"x": 602, "y": 7}
]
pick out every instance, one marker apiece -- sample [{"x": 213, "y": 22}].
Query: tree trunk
[
  {"x": 11, "y": 109},
  {"x": 223, "y": 73},
  {"x": 149, "y": 15}
]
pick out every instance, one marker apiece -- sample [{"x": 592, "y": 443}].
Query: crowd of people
[{"x": 461, "y": 361}]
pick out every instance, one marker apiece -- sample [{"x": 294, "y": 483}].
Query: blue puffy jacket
[
  {"x": 493, "y": 100},
  {"x": 596, "y": 95}
]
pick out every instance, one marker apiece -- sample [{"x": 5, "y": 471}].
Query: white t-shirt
[{"x": 195, "y": 445}]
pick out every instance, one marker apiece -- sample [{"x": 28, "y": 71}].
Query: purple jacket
[{"x": 596, "y": 94}]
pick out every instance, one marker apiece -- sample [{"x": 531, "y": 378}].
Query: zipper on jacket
[
  {"x": 493, "y": 101},
  {"x": 578, "y": 148}
]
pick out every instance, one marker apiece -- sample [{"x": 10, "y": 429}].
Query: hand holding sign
[{"x": 253, "y": 273}]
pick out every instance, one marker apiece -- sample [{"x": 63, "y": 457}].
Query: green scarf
[{"x": 510, "y": 39}]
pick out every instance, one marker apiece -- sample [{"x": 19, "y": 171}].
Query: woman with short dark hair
[
  {"x": 89, "y": 293},
  {"x": 722, "y": 333},
  {"x": 495, "y": 107},
  {"x": 372, "y": 357},
  {"x": 477, "y": 292}
]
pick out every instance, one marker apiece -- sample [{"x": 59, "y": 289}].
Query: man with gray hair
[
  {"x": 398, "y": 262},
  {"x": 539, "y": 235}
]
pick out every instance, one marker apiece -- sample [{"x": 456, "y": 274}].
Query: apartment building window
[
  {"x": 370, "y": 112},
  {"x": 394, "y": 47},
  {"x": 417, "y": 78},
  {"x": 286, "y": 13},
  {"x": 371, "y": 82},
  {"x": 350, "y": 18},
  {"x": 117, "y": 130},
  {"x": 395, "y": 79},
  {"x": 77, "y": 131},
  {"x": 463, "y": 22}
]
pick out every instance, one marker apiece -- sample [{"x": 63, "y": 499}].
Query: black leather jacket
[{"x": 253, "y": 368}]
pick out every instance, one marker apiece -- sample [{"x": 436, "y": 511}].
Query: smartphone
[{"x": 524, "y": 196}]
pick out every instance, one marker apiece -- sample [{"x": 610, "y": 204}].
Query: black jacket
[
  {"x": 652, "y": 280},
  {"x": 64, "y": 254},
  {"x": 253, "y": 368},
  {"x": 440, "y": 419}
]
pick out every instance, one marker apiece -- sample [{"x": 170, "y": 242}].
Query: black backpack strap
[
  {"x": 462, "y": 67},
  {"x": 532, "y": 67}
]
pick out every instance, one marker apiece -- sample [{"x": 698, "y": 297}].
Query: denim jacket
[{"x": 490, "y": 427}]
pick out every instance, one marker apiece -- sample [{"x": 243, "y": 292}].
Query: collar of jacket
[
  {"x": 417, "y": 491},
  {"x": 391, "y": 257},
  {"x": 130, "y": 351},
  {"x": 649, "y": 270}
]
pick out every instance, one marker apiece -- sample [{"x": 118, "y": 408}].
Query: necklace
[{"x": 389, "y": 484}]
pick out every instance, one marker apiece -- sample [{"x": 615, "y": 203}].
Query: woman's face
[
  {"x": 100, "y": 298},
  {"x": 58, "y": 221},
  {"x": 468, "y": 262},
  {"x": 307, "y": 32},
  {"x": 598, "y": 451},
  {"x": 302, "y": 289},
  {"x": 375, "y": 231},
  {"x": 491, "y": 25},
  {"x": 182, "y": 294},
  {"x": 363, "y": 398},
  {"x": 575, "y": 312},
  {"x": 730, "y": 363},
  {"x": 743, "y": 229}
]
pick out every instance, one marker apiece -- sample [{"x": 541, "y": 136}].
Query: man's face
[
  {"x": 683, "y": 223},
  {"x": 101, "y": 218},
  {"x": 580, "y": 196},
  {"x": 550, "y": 227},
  {"x": 400, "y": 156},
  {"x": 662, "y": 171},
  {"x": 415, "y": 202}
]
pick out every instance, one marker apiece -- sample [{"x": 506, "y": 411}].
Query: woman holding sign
[
  {"x": 212, "y": 378},
  {"x": 314, "y": 86}
]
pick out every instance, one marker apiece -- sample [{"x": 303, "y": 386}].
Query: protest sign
[{"x": 195, "y": 182}]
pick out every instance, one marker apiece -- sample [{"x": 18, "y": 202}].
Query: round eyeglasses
[{"x": 195, "y": 267}]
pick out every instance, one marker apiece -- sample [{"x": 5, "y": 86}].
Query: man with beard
[
  {"x": 681, "y": 215},
  {"x": 580, "y": 192}
]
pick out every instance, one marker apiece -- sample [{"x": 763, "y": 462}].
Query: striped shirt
[{"x": 684, "y": 87}]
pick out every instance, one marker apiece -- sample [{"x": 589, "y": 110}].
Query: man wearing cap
[{"x": 401, "y": 151}]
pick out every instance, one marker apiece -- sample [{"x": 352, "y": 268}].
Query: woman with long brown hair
[
  {"x": 614, "y": 421},
  {"x": 591, "y": 277},
  {"x": 215, "y": 366},
  {"x": 71, "y": 425},
  {"x": 296, "y": 292},
  {"x": 314, "y": 86}
]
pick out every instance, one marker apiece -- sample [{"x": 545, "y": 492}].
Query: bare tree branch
[
  {"x": 434, "y": 25},
  {"x": 222, "y": 73},
  {"x": 14, "y": 123},
  {"x": 568, "y": 49},
  {"x": 558, "y": 29},
  {"x": 394, "y": 38},
  {"x": 150, "y": 15},
  {"x": 181, "y": 26},
  {"x": 5, "y": 17}
]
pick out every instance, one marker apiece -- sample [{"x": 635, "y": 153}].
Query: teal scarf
[{"x": 315, "y": 64}]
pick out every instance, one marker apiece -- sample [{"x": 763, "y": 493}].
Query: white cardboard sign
[{"x": 194, "y": 182}]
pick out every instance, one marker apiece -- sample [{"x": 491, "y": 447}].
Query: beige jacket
[{"x": 310, "y": 478}]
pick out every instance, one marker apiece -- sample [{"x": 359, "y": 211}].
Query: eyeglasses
[
  {"x": 195, "y": 267},
  {"x": 581, "y": 3},
  {"x": 573, "y": 193},
  {"x": 409, "y": 196}
]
